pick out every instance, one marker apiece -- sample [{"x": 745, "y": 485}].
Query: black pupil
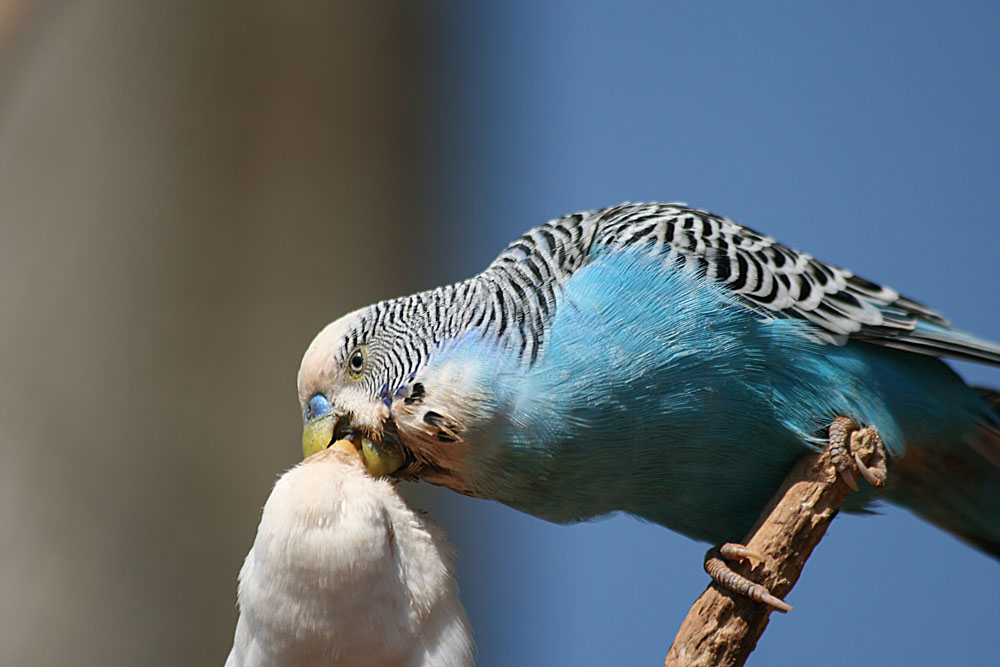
[{"x": 356, "y": 361}]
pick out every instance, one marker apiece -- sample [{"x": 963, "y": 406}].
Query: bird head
[
  {"x": 343, "y": 387},
  {"x": 383, "y": 379}
]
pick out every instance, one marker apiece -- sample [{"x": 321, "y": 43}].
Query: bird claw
[
  {"x": 845, "y": 474},
  {"x": 733, "y": 551},
  {"x": 721, "y": 574},
  {"x": 847, "y": 462},
  {"x": 872, "y": 475}
]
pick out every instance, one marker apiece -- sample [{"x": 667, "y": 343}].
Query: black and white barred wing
[{"x": 771, "y": 278}]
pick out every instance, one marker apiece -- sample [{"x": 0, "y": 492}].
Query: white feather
[{"x": 343, "y": 572}]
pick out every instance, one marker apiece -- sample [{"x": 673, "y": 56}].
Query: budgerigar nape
[
  {"x": 662, "y": 361},
  {"x": 343, "y": 572}
]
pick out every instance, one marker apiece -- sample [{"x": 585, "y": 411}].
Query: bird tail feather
[{"x": 958, "y": 487}]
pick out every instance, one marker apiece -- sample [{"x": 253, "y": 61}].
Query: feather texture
[{"x": 342, "y": 572}]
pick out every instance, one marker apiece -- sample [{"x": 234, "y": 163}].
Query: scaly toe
[
  {"x": 839, "y": 439},
  {"x": 725, "y": 577}
]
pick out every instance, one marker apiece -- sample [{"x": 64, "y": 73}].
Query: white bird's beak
[{"x": 348, "y": 447}]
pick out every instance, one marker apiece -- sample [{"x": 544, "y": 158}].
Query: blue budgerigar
[{"x": 663, "y": 361}]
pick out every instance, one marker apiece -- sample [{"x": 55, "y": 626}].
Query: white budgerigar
[{"x": 343, "y": 572}]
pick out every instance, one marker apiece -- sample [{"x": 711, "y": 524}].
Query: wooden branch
[{"x": 723, "y": 627}]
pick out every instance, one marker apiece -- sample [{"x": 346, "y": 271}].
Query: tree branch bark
[{"x": 723, "y": 627}]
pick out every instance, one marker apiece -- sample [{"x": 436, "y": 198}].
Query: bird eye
[{"x": 356, "y": 362}]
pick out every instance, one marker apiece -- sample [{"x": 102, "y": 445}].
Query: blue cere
[{"x": 317, "y": 407}]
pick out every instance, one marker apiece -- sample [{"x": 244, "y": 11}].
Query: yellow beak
[
  {"x": 379, "y": 460},
  {"x": 317, "y": 435}
]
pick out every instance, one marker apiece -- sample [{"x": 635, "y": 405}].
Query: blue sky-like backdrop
[{"x": 863, "y": 133}]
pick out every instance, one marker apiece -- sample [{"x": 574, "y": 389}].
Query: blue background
[{"x": 865, "y": 135}]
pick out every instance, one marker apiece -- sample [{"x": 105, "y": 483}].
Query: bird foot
[
  {"x": 720, "y": 572},
  {"x": 846, "y": 461}
]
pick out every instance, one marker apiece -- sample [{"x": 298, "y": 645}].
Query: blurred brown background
[{"x": 188, "y": 192}]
